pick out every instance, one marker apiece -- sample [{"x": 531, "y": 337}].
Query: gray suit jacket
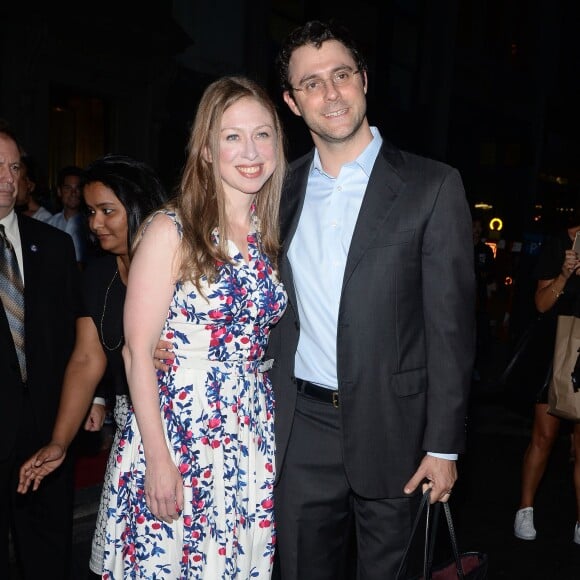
[{"x": 405, "y": 342}]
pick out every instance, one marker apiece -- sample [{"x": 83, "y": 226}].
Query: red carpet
[
  {"x": 92, "y": 451},
  {"x": 90, "y": 469}
]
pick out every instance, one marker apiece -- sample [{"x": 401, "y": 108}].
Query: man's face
[
  {"x": 9, "y": 173},
  {"x": 70, "y": 192},
  {"x": 335, "y": 113}
]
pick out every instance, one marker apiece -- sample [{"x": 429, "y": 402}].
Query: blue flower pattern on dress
[{"x": 217, "y": 408}]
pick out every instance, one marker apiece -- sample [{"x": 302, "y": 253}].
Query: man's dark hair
[
  {"x": 69, "y": 170},
  {"x": 315, "y": 33}
]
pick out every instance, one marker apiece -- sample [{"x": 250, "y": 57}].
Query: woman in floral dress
[{"x": 192, "y": 495}]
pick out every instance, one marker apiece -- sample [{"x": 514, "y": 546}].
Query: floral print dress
[{"x": 217, "y": 407}]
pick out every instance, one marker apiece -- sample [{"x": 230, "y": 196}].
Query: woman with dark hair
[
  {"x": 119, "y": 192},
  {"x": 194, "y": 476},
  {"x": 557, "y": 292}
]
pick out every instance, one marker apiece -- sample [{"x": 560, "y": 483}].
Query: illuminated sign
[
  {"x": 493, "y": 247},
  {"x": 495, "y": 224}
]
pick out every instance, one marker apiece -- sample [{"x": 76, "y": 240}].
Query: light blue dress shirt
[
  {"x": 74, "y": 227},
  {"x": 318, "y": 255}
]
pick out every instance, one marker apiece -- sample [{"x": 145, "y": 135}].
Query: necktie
[{"x": 12, "y": 296}]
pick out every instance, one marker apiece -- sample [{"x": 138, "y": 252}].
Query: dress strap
[{"x": 171, "y": 214}]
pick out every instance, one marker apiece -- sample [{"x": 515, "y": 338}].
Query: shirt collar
[
  {"x": 10, "y": 223},
  {"x": 365, "y": 160}
]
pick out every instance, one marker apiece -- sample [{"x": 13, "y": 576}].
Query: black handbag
[{"x": 463, "y": 566}]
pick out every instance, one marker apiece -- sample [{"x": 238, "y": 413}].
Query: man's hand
[
  {"x": 41, "y": 464},
  {"x": 441, "y": 475},
  {"x": 96, "y": 417},
  {"x": 163, "y": 356}
]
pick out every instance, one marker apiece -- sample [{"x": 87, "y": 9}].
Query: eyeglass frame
[{"x": 331, "y": 79}]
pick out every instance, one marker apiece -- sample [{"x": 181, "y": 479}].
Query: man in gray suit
[
  {"x": 373, "y": 357},
  {"x": 38, "y": 308}
]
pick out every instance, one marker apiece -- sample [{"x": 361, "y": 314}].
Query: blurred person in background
[
  {"x": 71, "y": 219},
  {"x": 557, "y": 293}
]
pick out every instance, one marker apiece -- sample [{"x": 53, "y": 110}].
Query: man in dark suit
[
  {"x": 40, "y": 523},
  {"x": 373, "y": 357}
]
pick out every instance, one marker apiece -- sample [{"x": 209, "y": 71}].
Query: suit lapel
[
  {"x": 384, "y": 186},
  {"x": 292, "y": 204},
  {"x": 295, "y": 191},
  {"x": 32, "y": 274}
]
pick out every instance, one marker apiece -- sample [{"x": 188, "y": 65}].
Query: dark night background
[{"x": 488, "y": 86}]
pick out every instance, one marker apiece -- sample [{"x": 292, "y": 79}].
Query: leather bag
[{"x": 463, "y": 565}]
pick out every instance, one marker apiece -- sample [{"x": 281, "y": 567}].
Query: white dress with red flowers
[{"x": 217, "y": 409}]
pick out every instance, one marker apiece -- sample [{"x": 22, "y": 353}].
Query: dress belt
[{"x": 320, "y": 393}]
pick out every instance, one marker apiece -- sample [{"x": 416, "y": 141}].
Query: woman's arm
[
  {"x": 150, "y": 288},
  {"x": 84, "y": 370},
  {"x": 548, "y": 291}
]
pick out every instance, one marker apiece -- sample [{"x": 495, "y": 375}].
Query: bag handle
[
  {"x": 453, "y": 538},
  {"x": 431, "y": 524}
]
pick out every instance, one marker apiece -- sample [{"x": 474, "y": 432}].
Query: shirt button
[{"x": 339, "y": 188}]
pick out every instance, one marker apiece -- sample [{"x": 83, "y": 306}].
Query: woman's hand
[
  {"x": 164, "y": 490},
  {"x": 571, "y": 264},
  {"x": 41, "y": 464}
]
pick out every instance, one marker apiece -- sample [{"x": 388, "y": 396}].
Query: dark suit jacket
[
  {"x": 405, "y": 338},
  {"x": 51, "y": 293}
]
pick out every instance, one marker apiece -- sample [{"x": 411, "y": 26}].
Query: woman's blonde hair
[{"x": 200, "y": 202}]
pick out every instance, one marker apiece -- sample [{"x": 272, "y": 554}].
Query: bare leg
[{"x": 544, "y": 433}]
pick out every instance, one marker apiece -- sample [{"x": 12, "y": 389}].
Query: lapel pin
[{"x": 34, "y": 248}]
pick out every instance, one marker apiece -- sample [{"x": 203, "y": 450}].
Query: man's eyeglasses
[{"x": 315, "y": 85}]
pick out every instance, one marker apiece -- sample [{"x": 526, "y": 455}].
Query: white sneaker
[
  {"x": 524, "y": 525},
  {"x": 577, "y": 533}
]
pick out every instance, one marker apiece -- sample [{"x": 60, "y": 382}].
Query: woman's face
[
  {"x": 247, "y": 155},
  {"x": 107, "y": 218}
]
